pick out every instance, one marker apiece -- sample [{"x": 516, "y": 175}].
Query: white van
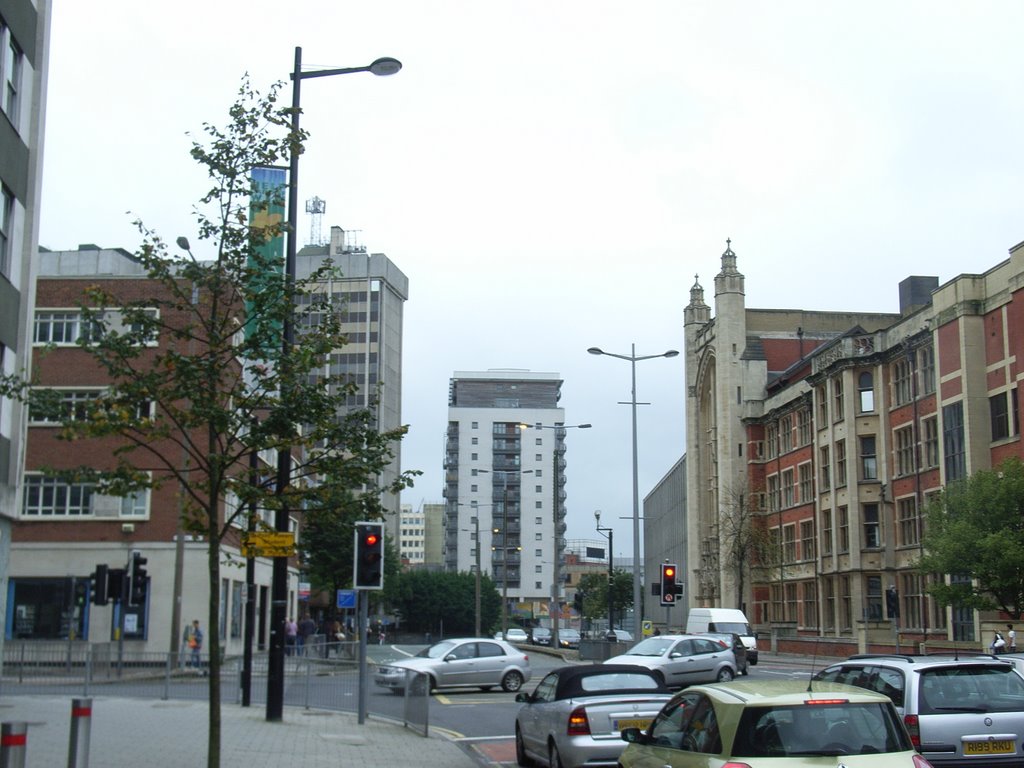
[{"x": 723, "y": 620}]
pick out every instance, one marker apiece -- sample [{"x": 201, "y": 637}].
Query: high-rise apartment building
[
  {"x": 24, "y": 53},
  {"x": 370, "y": 295},
  {"x": 505, "y": 483}
]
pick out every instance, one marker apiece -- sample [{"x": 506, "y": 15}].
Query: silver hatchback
[
  {"x": 471, "y": 662},
  {"x": 681, "y": 660},
  {"x": 959, "y": 711}
]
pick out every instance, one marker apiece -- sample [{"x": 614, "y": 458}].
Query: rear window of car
[
  {"x": 820, "y": 729},
  {"x": 628, "y": 681},
  {"x": 972, "y": 688}
]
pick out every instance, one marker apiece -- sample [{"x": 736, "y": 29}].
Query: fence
[{"x": 326, "y": 676}]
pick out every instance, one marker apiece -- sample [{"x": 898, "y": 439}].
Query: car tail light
[
  {"x": 826, "y": 702},
  {"x": 914, "y": 729},
  {"x": 735, "y": 765},
  {"x": 578, "y": 724},
  {"x": 920, "y": 762}
]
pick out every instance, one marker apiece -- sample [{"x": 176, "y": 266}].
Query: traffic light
[
  {"x": 98, "y": 585},
  {"x": 115, "y": 584},
  {"x": 577, "y": 602},
  {"x": 138, "y": 580},
  {"x": 368, "y": 569},
  {"x": 892, "y": 603},
  {"x": 668, "y": 584}
]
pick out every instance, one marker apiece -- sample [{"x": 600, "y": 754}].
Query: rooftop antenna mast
[{"x": 316, "y": 208}]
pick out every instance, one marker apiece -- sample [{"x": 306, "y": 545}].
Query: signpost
[{"x": 268, "y": 544}]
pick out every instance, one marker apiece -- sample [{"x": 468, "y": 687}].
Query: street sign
[
  {"x": 268, "y": 544},
  {"x": 346, "y": 598}
]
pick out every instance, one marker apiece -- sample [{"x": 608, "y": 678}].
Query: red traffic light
[{"x": 371, "y": 540}]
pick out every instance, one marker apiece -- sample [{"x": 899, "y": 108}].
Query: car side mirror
[
  {"x": 632, "y": 735},
  {"x": 450, "y": 657},
  {"x": 523, "y": 698}
]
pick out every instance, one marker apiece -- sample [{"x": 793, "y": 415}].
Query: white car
[
  {"x": 514, "y": 635},
  {"x": 470, "y": 662}
]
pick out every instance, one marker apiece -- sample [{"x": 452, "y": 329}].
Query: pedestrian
[
  {"x": 1011, "y": 639},
  {"x": 381, "y": 636},
  {"x": 334, "y": 637},
  {"x": 194, "y": 642},
  {"x": 291, "y": 631},
  {"x": 305, "y": 632},
  {"x": 998, "y": 643}
]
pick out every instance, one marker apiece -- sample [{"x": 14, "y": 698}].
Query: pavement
[{"x": 127, "y": 733}]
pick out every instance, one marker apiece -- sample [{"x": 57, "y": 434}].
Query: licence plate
[
  {"x": 640, "y": 723},
  {"x": 989, "y": 747}
]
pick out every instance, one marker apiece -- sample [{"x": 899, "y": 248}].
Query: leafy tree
[
  {"x": 431, "y": 601},
  {"x": 197, "y": 369},
  {"x": 975, "y": 529},
  {"x": 595, "y": 588}
]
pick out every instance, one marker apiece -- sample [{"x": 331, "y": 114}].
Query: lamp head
[
  {"x": 597, "y": 516},
  {"x": 596, "y": 351},
  {"x": 182, "y": 242},
  {"x": 385, "y": 66},
  {"x": 671, "y": 353}
]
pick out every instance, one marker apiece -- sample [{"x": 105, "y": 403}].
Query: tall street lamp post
[
  {"x": 611, "y": 567},
  {"x": 557, "y": 529},
  {"x": 279, "y": 574},
  {"x": 633, "y": 358}
]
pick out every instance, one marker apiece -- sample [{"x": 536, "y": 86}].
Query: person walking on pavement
[
  {"x": 194, "y": 642},
  {"x": 305, "y": 631},
  {"x": 1011, "y": 639},
  {"x": 291, "y": 631}
]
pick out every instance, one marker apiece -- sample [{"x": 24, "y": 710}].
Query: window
[
  {"x": 926, "y": 369},
  {"x": 773, "y": 493},
  {"x": 810, "y": 602},
  {"x": 840, "y": 464},
  {"x": 866, "y": 391},
  {"x": 826, "y": 531},
  {"x": 930, "y": 427},
  {"x": 786, "y": 434},
  {"x": 57, "y": 327},
  {"x": 50, "y": 497},
  {"x": 843, "y": 517},
  {"x": 953, "y": 441},
  {"x": 787, "y": 488},
  {"x": 901, "y": 382},
  {"x": 135, "y": 504},
  {"x": 872, "y": 526},
  {"x": 1015, "y": 410},
  {"x": 824, "y": 469},
  {"x": 828, "y": 619},
  {"x": 873, "y": 593},
  {"x": 845, "y": 604},
  {"x": 771, "y": 439},
  {"x": 789, "y": 543},
  {"x": 474, "y": 441},
  {"x": 905, "y": 450},
  {"x": 821, "y": 397},
  {"x": 791, "y": 602},
  {"x": 837, "y": 399},
  {"x": 803, "y": 426},
  {"x": 807, "y": 540},
  {"x": 907, "y": 522},
  {"x": 806, "y": 483},
  {"x": 6, "y": 229},
  {"x": 868, "y": 459},
  {"x": 12, "y": 65},
  {"x": 999, "y": 415},
  {"x": 74, "y": 406},
  {"x": 912, "y": 599},
  {"x": 538, "y": 457}
]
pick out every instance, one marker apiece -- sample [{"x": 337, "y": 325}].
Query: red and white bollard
[
  {"x": 13, "y": 742},
  {"x": 81, "y": 723}
]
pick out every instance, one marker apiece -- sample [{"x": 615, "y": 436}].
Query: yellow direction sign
[{"x": 268, "y": 544}]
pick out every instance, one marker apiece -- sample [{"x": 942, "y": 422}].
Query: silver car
[
  {"x": 471, "y": 662},
  {"x": 576, "y": 714},
  {"x": 682, "y": 660}
]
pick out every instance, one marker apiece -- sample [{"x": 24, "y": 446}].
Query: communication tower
[{"x": 316, "y": 208}]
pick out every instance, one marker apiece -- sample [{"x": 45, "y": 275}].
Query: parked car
[
  {"x": 471, "y": 662},
  {"x": 682, "y": 660},
  {"x": 575, "y": 714},
  {"x": 513, "y": 635},
  {"x": 773, "y": 724},
  {"x": 540, "y": 636},
  {"x": 739, "y": 650},
  {"x": 568, "y": 638},
  {"x": 957, "y": 709},
  {"x": 618, "y": 636}
]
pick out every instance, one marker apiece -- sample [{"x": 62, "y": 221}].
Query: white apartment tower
[{"x": 505, "y": 484}]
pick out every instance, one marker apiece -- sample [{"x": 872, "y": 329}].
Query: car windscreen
[
  {"x": 737, "y": 627},
  {"x": 437, "y": 650},
  {"x": 652, "y": 646},
  {"x": 970, "y": 688},
  {"x": 823, "y": 728}
]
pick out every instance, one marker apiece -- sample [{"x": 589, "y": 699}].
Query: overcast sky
[{"x": 552, "y": 175}]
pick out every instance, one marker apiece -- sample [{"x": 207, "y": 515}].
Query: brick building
[{"x": 832, "y": 430}]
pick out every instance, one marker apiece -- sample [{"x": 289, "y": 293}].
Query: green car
[{"x": 773, "y": 724}]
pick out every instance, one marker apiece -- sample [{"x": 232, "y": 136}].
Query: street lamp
[
  {"x": 279, "y": 574},
  {"x": 476, "y": 538},
  {"x": 504, "y": 540},
  {"x": 556, "y": 581},
  {"x": 633, "y": 358},
  {"x": 611, "y": 569}
]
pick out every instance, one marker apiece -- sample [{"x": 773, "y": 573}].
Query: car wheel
[
  {"x": 554, "y": 759},
  {"x": 725, "y": 674},
  {"x": 512, "y": 681},
  {"x": 521, "y": 758}
]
